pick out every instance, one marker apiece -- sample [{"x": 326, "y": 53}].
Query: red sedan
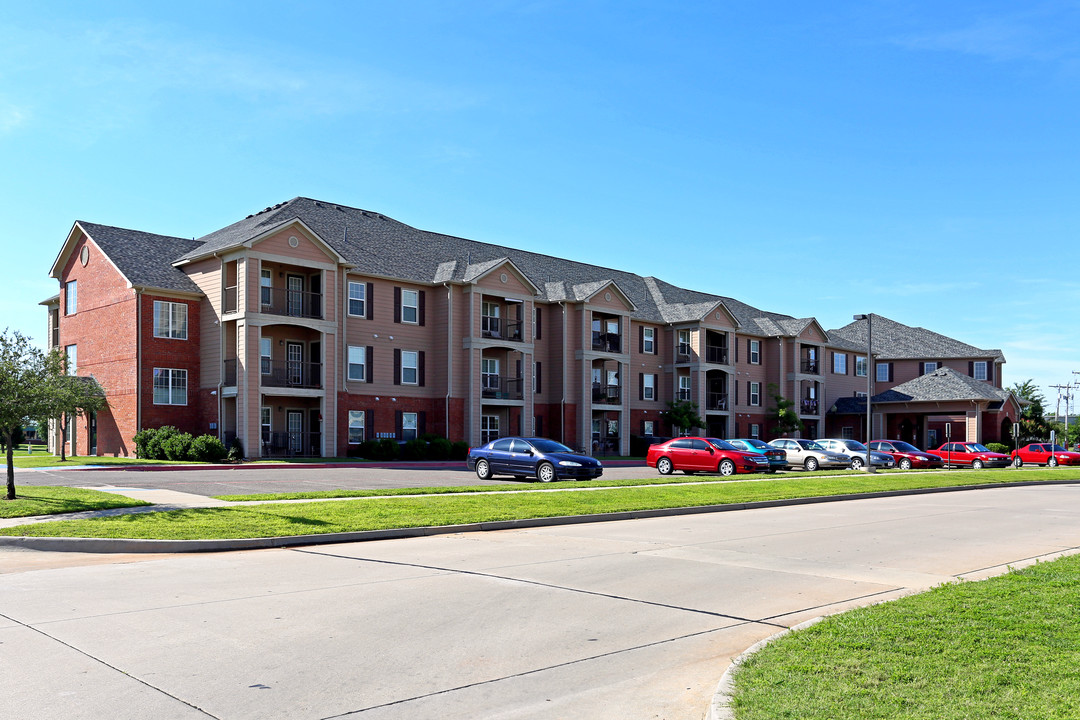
[
  {"x": 906, "y": 455},
  {"x": 1044, "y": 454},
  {"x": 698, "y": 454},
  {"x": 971, "y": 454}
]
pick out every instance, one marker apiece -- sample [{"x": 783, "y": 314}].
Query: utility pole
[{"x": 1063, "y": 391}]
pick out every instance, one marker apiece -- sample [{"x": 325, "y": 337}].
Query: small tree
[
  {"x": 26, "y": 375},
  {"x": 783, "y": 416},
  {"x": 1033, "y": 424},
  {"x": 71, "y": 397},
  {"x": 683, "y": 414}
]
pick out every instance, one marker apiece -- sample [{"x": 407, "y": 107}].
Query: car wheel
[
  {"x": 1018, "y": 462},
  {"x": 1052, "y": 462},
  {"x": 483, "y": 470},
  {"x": 811, "y": 464},
  {"x": 726, "y": 467},
  {"x": 664, "y": 466},
  {"x": 856, "y": 463},
  {"x": 905, "y": 464},
  {"x": 545, "y": 472},
  {"x": 976, "y": 465}
]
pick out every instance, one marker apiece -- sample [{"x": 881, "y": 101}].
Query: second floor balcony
[
  {"x": 606, "y": 394},
  {"x": 497, "y": 387},
  {"x": 716, "y": 401},
  {"x": 715, "y": 354},
  {"x": 291, "y": 374},
  {"x": 809, "y": 407},
  {"x": 280, "y": 301},
  {"x": 498, "y": 328},
  {"x": 607, "y": 342},
  {"x": 683, "y": 394},
  {"x": 810, "y": 366}
]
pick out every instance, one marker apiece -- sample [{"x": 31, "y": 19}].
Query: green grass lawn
[
  {"x": 42, "y": 458},
  {"x": 269, "y": 520},
  {"x": 1007, "y": 647},
  {"x": 31, "y": 500}
]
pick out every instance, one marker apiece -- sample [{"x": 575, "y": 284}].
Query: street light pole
[{"x": 869, "y": 386}]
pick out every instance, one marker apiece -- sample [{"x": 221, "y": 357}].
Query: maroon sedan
[
  {"x": 1044, "y": 454},
  {"x": 971, "y": 454},
  {"x": 698, "y": 454},
  {"x": 906, "y": 455}
]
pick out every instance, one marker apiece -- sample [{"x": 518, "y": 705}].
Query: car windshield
[
  {"x": 811, "y": 445},
  {"x": 854, "y": 445},
  {"x": 547, "y": 446},
  {"x": 904, "y": 447},
  {"x": 1055, "y": 448},
  {"x": 976, "y": 447},
  {"x": 721, "y": 444}
]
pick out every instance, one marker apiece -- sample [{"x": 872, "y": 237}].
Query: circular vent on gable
[
  {"x": 607, "y": 296},
  {"x": 503, "y": 277},
  {"x": 84, "y": 255},
  {"x": 293, "y": 242}
]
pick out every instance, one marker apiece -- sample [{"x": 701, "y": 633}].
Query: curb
[{"x": 126, "y": 545}]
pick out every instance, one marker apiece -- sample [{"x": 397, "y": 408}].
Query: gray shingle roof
[
  {"x": 942, "y": 385},
  {"x": 896, "y": 341},
  {"x": 144, "y": 258}
]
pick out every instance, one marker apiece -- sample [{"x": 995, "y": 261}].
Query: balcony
[
  {"x": 500, "y": 329},
  {"x": 716, "y": 401},
  {"x": 228, "y": 372},
  {"x": 810, "y": 367},
  {"x": 683, "y": 350},
  {"x": 607, "y": 342},
  {"x": 293, "y": 303},
  {"x": 715, "y": 354},
  {"x": 606, "y": 394},
  {"x": 496, "y": 387},
  {"x": 292, "y": 374},
  {"x": 291, "y": 444},
  {"x": 682, "y": 394},
  {"x": 230, "y": 300},
  {"x": 809, "y": 407}
]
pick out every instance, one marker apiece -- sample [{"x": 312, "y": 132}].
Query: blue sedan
[{"x": 544, "y": 459}]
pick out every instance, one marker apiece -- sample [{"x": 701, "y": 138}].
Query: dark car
[
  {"x": 972, "y": 454},
  {"x": 544, "y": 459},
  {"x": 698, "y": 454},
  {"x": 777, "y": 458},
  {"x": 1044, "y": 454},
  {"x": 906, "y": 455}
]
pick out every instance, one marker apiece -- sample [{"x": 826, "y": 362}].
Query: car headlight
[{"x": 569, "y": 463}]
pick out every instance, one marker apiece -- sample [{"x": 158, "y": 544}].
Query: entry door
[
  {"x": 296, "y": 295},
  {"x": 314, "y": 430},
  {"x": 294, "y": 423},
  {"x": 294, "y": 357},
  {"x": 92, "y": 423}
]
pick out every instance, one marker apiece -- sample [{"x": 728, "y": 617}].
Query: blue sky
[{"x": 912, "y": 159}]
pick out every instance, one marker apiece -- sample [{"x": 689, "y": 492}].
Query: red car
[
  {"x": 1044, "y": 454},
  {"x": 906, "y": 455},
  {"x": 973, "y": 454},
  {"x": 697, "y": 454}
]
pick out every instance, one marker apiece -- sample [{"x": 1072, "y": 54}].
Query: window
[
  {"x": 684, "y": 387},
  {"x": 929, "y": 367},
  {"x": 847, "y": 432},
  {"x": 684, "y": 342},
  {"x": 883, "y": 372},
  {"x": 648, "y": 428},
  {"x": 356, "y": 427},
  {"x": 71, "y": 351},
  {"x": 265, "y": 357},
  {"x": 71, "y": 297},
  {"x": 979, "y": 370},
  {"x": 264, "y": 420},
  {"x": 860, "y": 393},
  {"x": 648, "y": 340},
  {"x": 266, "y": 280},
  {"x": 170, "y": 386},
  {"x": 409, "y": 372},
  {"x": 408, "y": 426},
  {"x": 755, "y": 393},
  {"x": 410, "y": 306},
  {"x": 648, "y": 388},
  {"x": 839, "y": 363},
  {"x": 489, "y": 428},
  {"x": 860, "y": 366},
  {"x": 357, "y": 363},
  {"x": 755, "y": 352},
  {"x": 489, "y": 374},
  {"x": 357, "y": 299},
  {"x": 170, "y": 320},
  {"x": 755, "y": 431}
]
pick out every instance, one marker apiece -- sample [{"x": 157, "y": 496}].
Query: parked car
[
  {"x": 857, "y": 452},
  {"x": 809, "y": 455},
  {"x": 1044, "y": 454},
  {"x": 544, "y": 459},
  {"x": 777, "y": 458},
  {"x": 906, "y": 455},
  {"x": 970, "y": 454},
  {"x": 698, "y": 454}
]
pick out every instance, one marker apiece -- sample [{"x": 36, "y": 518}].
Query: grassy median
[
  {"x": 1007, "y": 647},
  {"x": 378, "y": 513},
  {"x": 39, "y": 500}
]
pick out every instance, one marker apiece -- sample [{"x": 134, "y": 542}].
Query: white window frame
[
  {"x": 860, "y": 366},
  {"x": 878, "y": 372},
  {"x": 176, "y": 382},
  {"x": 684, "y": 383},
  {"x": 357, "y": 360},
  {"x": 755, "y": 394},
  {"x": 839, "y": 363},
  {"x": 976, "y": 367},
  {"x": 266, "y": 422},
  {"x": 170, "y": 320},
  {"x": 755, "y": 352},
  {"x": 71, "y": 353},
  {"x": 410, "y": 425},
  {"x": 649, "y": 427},
  {"x": 266, "y": 287},
  {"x": 410, "y": 306},
  {"x": 648, "y": 389},
  {"x": 489, "y": 428},
  {"x": 356, "y": 424},
  {"x": 489, "y": 367},
  {"x": 357, "y": 294},
  {"x": 410, "y": 364},
  {"x": 266, "y": 355},
  {"x": 755, "y": 430},
  {"x": 684, "y": 343},
  {"x": 860, "y": 393},
  {"x": 648, "y": 340},
  {"x": 71, "y": 297}
]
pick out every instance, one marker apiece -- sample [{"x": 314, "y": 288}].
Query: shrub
[
  {"x": 415, "y": 449},
  {"x": 207, "y": 448},
  {"x": 388, "y": 449},
  {"x": 997, "y": 447},
  {"x": 439, "y": 448},
  {"x": 459, "y": 450},
  {"x": 236, "y": 450},
  {"x": 177, "y": 446},
  {"x": 369, "y": 450}
]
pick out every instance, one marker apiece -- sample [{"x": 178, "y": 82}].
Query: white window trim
[
  {"x": 362, "y": 299},
  {"x": 173, "y": 374},
  {"x": 755, "y": 394},
  {"x": 361, "y": 425},
  {"x": 362, "y": 364},
  {"x": 408, "y": 418},
  {"x": 415, "y": 367},
  {"x": 71, "y": 355},
  {"x": 648, "y": 340},
  {"x": 71, "y": 297},
  {"x": 861, "y": 360},
  {"x": 649, "y": 387},
  {"x": 172, "y": 308},
  {"x": 755, "y": 352},
  {"x": 877, "y": 372},
  {"x": 266, "y": 343},
  {"x": 839, "y": 366},
  {"x": 415, "y": 306},
  {"x": 975, "y": 369},
  {"x": 266, "y": 282}
]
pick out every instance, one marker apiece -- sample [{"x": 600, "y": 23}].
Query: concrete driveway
[{"x": 627, "y": 620}]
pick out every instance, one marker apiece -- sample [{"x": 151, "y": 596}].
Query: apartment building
[{"x": 309, "y": 327}]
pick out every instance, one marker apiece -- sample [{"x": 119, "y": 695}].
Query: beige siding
[
  {"x": 306, "y": 248},
  {"x": 207, "y": 275}
]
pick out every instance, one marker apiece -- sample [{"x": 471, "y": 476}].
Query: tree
[
  {"x": 783, "y": 415},
  {"x": 26, "y": 380},
  {"x": 1033, "y": 424},
  {"x": 71, "y": 397},
  {"x": 683, "y": 414}
]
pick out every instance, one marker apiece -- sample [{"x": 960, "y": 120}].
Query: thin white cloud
[
  {"x": 12, "y": 117},
  {"x": 1038, "y": 34}
]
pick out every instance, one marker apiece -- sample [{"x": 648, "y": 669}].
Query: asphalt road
[{"x": 628, "y": 620}]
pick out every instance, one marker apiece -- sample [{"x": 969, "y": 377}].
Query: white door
[{"x": 295, "y": 425}]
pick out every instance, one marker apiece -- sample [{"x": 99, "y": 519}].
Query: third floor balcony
[{"x": 281, "y": 301}]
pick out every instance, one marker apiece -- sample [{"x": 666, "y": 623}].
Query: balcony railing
[
  {"x": 294, "y": 303},
  {"x": 716, "y": 354},
  {"x": 291, "y": 444},
  {"x": 716, "y": 401},
  {"x": 496, "y": 387},
  {"x": 228, "y": 372},
  {"x": 500, "y": 329},
  {"x": 811, "y": 367},
  {"x": 230, "y": 300},
  {"x": 683, "y": 350},
  {"x": 607, "y": 394},
  {"x": 291, "y": 373},
  {"x": 809, "y": 407},
  {"x": 682, "y": 394},
  {"x": 607, "y": 342}
]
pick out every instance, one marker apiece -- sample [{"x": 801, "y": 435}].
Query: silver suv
[
  {"x": 857, "y": 451},
  {"x": 809, "y": 455}
]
